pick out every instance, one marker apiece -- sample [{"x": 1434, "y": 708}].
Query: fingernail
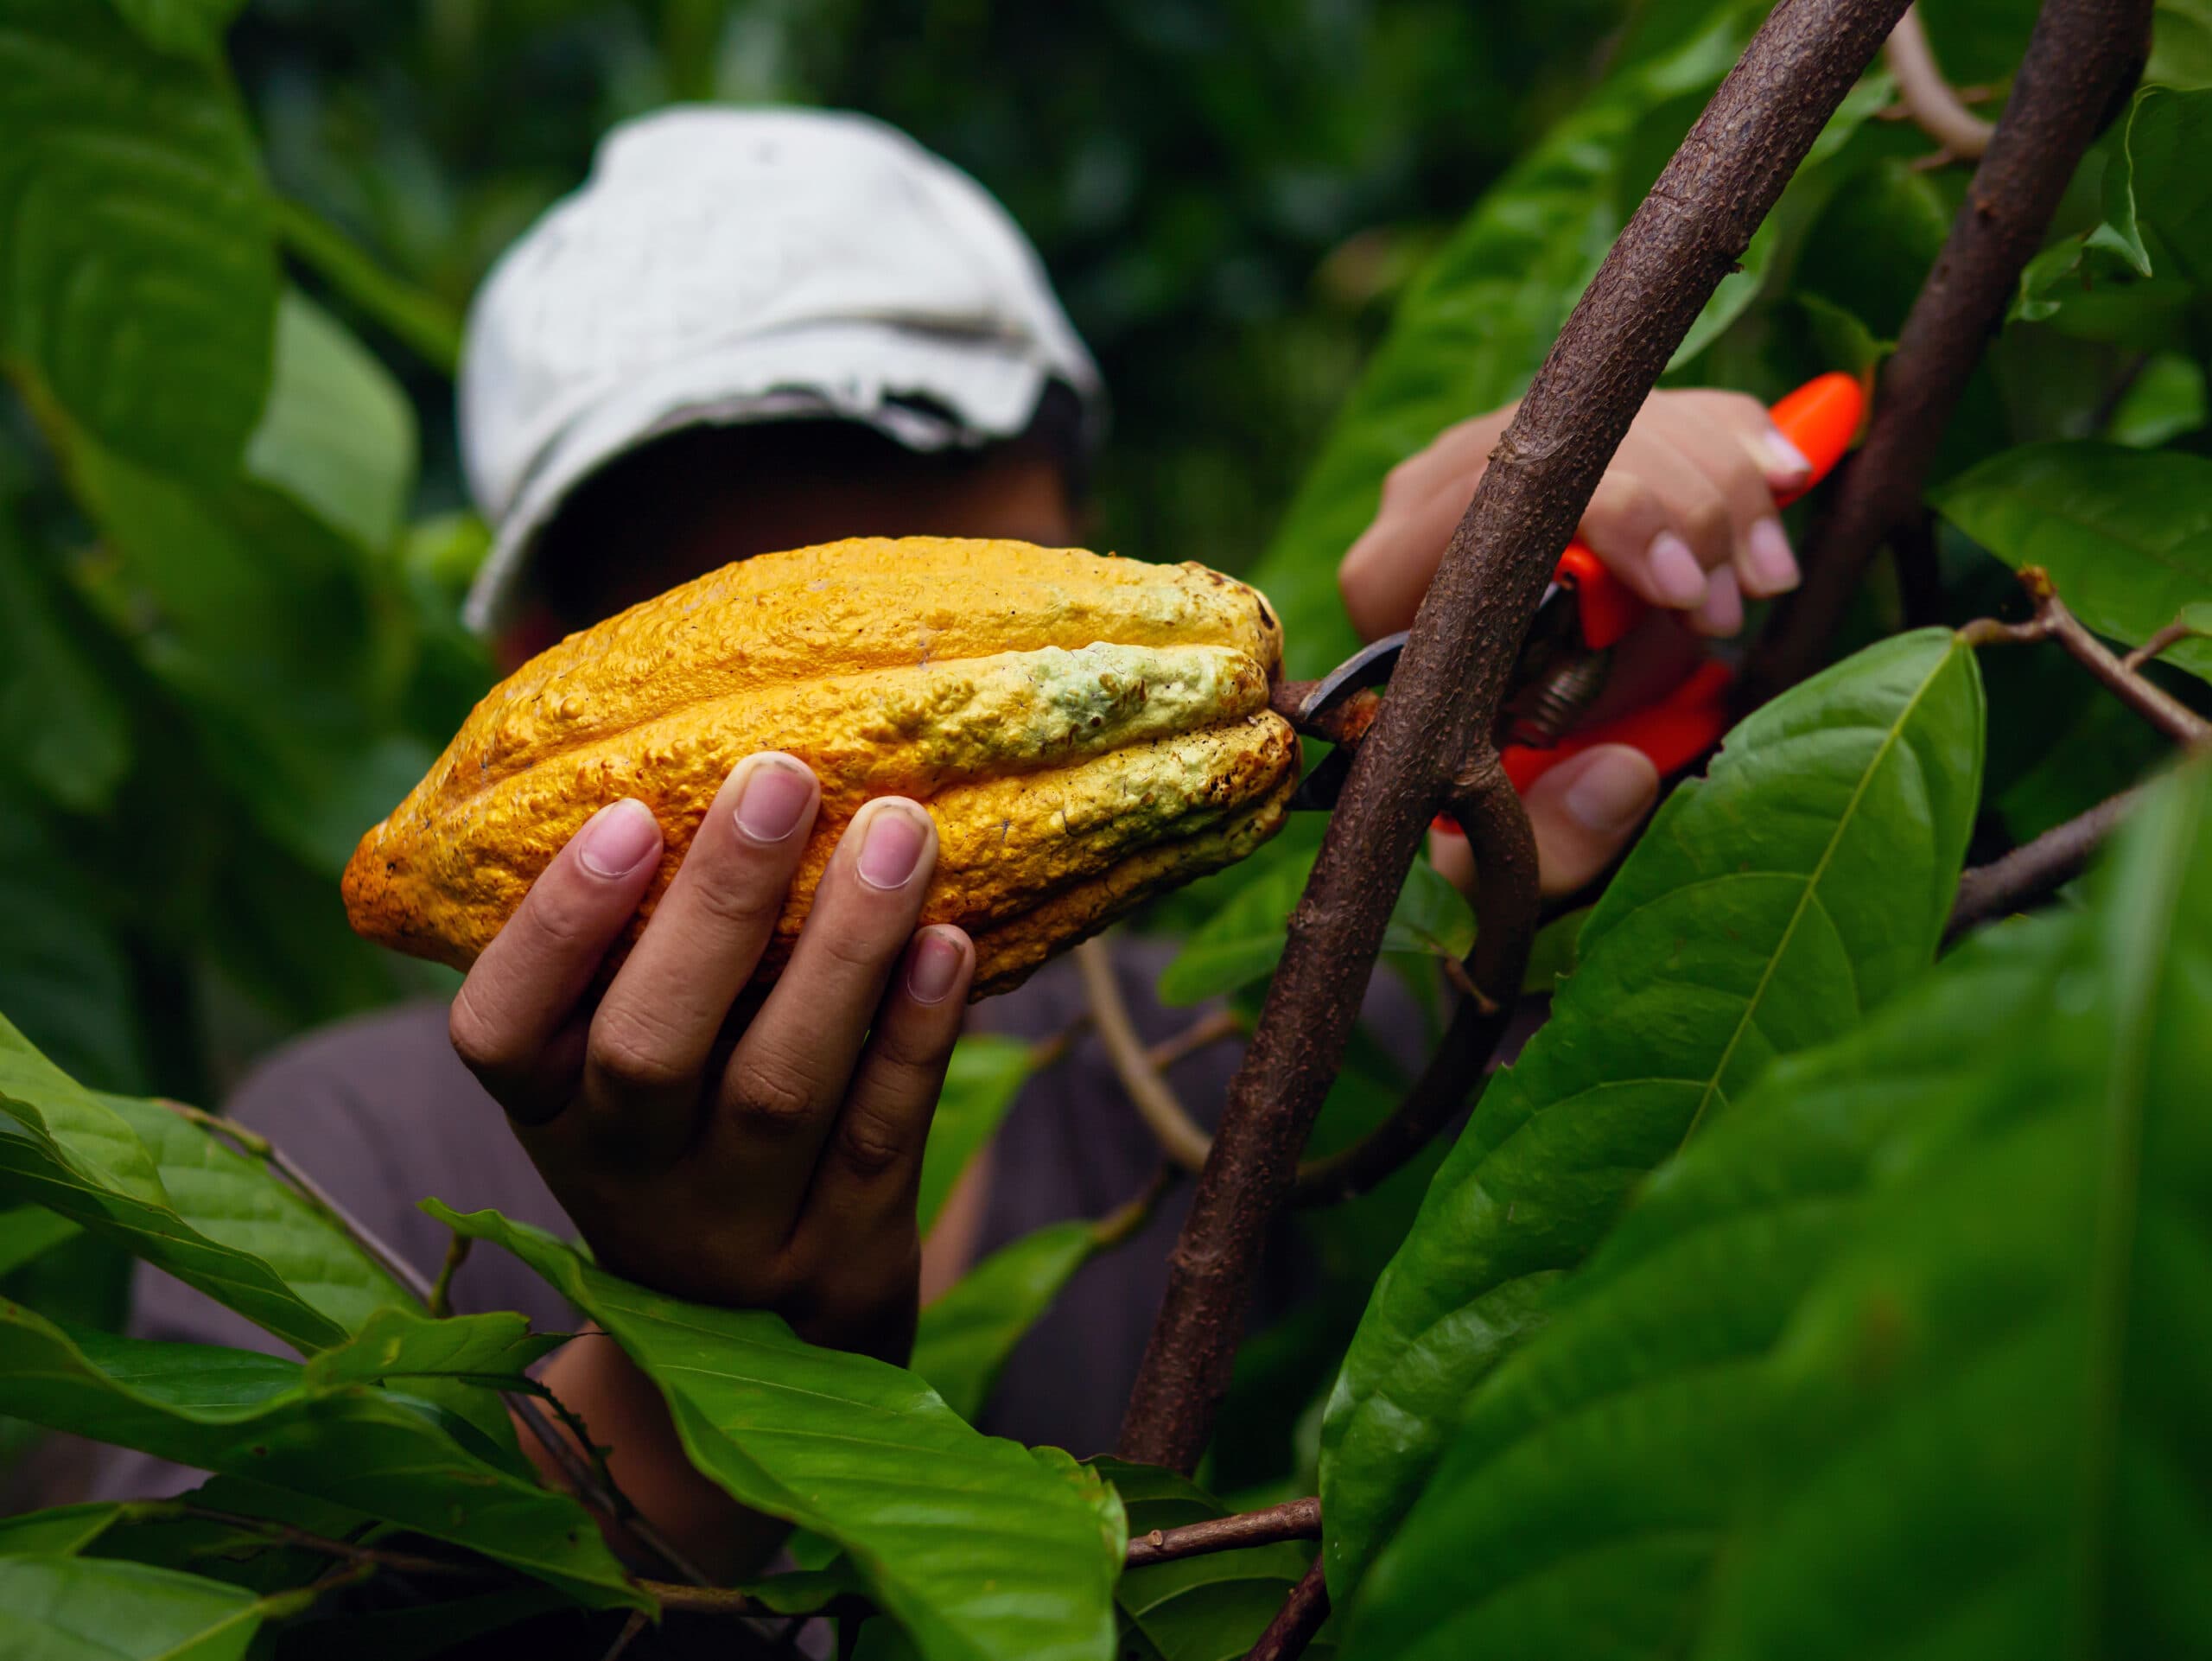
[
  {"x": 935, "y": 965},
  {"x": 773, "y": 801},
  {"x": 1721, "y": 614},
  {"x": 1676, "y": 574},
  {"x": 1772, "y": 567},
  {"x": 893, "y": 847},
  {"x": 1782, "y": 459},
  {"x": 1611, "y": 794},
  {"x": 619, "y": 836}
]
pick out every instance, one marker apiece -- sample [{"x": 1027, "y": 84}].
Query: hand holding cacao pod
[{"x": 1085, "y": 730}]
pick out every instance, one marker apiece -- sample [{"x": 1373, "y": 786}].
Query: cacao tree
[{"x": 1824, "y": 1276}]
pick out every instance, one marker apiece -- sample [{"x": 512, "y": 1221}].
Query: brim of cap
[{"x": 977, "y": 390}]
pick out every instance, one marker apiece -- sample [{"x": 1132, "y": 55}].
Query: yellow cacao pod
[{"x": 1085, "y": 730}]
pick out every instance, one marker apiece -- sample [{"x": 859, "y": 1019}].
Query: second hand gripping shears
[{"x": 1564, "y": 662}]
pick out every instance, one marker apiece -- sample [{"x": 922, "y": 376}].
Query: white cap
[{"x": 725, "y": 266}]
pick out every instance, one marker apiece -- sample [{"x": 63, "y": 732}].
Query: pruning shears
[{"x": 1564, "y": 663}]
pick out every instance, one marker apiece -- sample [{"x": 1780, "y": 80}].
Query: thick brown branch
[
  {"x": 1294, "y": 1519},
  {"x": 2080, "y": 55},
  {"x": 1509, "y": 900},
  {"x": 1936, "y": 109},
  {"x": 2035, "y": 870},
  {"x": 1295, "y": 1623},
  {"x": 1686, "y": 235}
]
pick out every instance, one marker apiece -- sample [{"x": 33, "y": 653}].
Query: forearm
[{"x": 625, "y": 1413}]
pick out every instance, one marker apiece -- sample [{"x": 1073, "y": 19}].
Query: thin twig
[
  {"x": 1294, "y": 1519},
  {"x": 1300, "y": 1618},
  {"x": 588, "y": 1473},
  {"x": 2165, "y": 641},
  {"x": 2034, "y": 871},
  {"x": 2053, "y": 622},
  {"x": 1936, "y": 109},
  {"x": 457, "y": 1249},
  {"x": 1131, "y": 1215},
  {"x": 627, "y": 1636},
  {"x": 2081, "y": 53},
  {"x": 284, "y": 1534},
  {"x": 1178, "y": 1134},
  {"x": 1686, "y": 235}
]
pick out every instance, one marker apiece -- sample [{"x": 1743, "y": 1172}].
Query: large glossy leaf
[
  {"x": 140, "y": 287},
  {"x": 965, "y": 1336},
  {"x": 985, "y": 1075},
  {"x": 977, "y": 1549},
  {"x": 81, "y": 1609},
  {"x": 1767, "y": 908},
  {"x": 2126, "y": 534},
  {"x": 172, "y": 1193},
  {"x": 338, "y": 435},
  {"x": 239, "y": 1413},
  {"x": 1903, "y": 1360},
  {"x": 63, "y": 726},
  {"x": 29, "y": 1231},
  {"x": 1211, "y": 1608}
]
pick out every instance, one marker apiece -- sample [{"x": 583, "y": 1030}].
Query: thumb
[{"x": 1584, "y": 811}]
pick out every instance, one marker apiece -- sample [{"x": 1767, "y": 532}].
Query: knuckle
[
  {"x": 871, "y": 1142},
  {"x": 1708, "y": 522},
  {"x": 632, "y": 1050},
  {"x": 473, "y": 1036},
  {"x": 740, "y": 900},
  {"x": 770, "y": 1095}
]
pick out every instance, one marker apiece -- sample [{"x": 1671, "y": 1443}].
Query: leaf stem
[
  {"x": 2167, "y": 638},
  {"x": 421, "y": 322},
  {"x": 1934, "y": 106}
]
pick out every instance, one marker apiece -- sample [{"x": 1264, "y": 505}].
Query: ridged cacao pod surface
[{"x": 1085, "y": 730}]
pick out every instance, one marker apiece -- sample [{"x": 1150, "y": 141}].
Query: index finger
[{"x": 538, "y": 967}]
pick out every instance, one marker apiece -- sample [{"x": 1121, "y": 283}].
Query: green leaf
[
  {"x": 29, "y": 1232},
  {"x": 977, "y": 1550},
  {"x": 2126, "y": 534},
  {"x": 965, "y": 1337},
  {"x": 1596, "y": 1471},
  {"x": 140, "y": 288},
  {"x": 2166, "y": 399},
  {"x": 192, "y": 27},
  {"x": 338, "y": 435},
  {"x": 170, "y": 1192},
  {"x": 985, "y": 1075},
  {"x": 493, "y": 1350},
  {"x": 62, "y": 1531},
  {"x": 1766, "y": 909},
  {"x": 81, "y": 1609},
  {"x": 2181, "y": 45},
  {"x": 2156, "y": 195},
  {"x": 1211, "y": 1608},
  {"x": 63, "y": 725},
  {"x": 259, "y": 1417},
  {"x": 64, "y": 976},
  {"x": 1904, "y": 1358}
]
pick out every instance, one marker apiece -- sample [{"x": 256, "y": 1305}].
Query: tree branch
[
  {"x": 1435, "y": 725},
  {"x": 1178, "y": 1134},
  {"x": 1300, "y": 1618},
  {"x": 1294, "y": 1519},
  {"x": 1936, "y": 109},
  {"x": 1508, "y": 901},
  {"x": 2035, "y": 870},
  {"x": 2164, "y": 641},
  {"x": 2053, "y": 622},
  {"x": 2080, "y": 55}
]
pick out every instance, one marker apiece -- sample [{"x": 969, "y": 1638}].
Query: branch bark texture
[
  {"x": 2080, "y": 55},
  {"x": 1430, "y": 737},
  {"x": 2034, "y": 871},
  {"x": 1294, "y": 1519}
]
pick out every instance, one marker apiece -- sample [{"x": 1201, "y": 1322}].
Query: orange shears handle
[{"x": 1821, "y": 418}]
